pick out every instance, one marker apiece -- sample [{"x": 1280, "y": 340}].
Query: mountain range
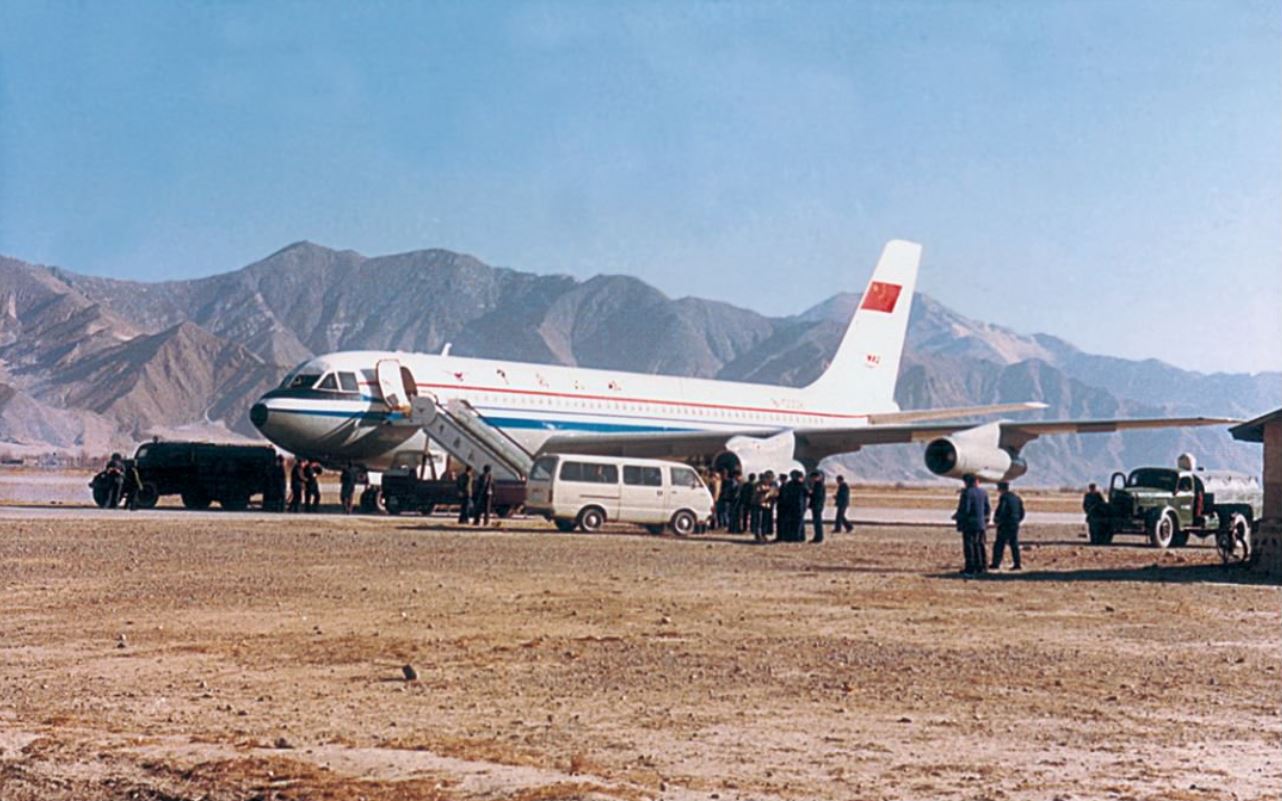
[{"x": 90, "y": 363}]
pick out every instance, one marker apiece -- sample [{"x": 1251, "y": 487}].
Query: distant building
[{"x": 1267, "y": 429}]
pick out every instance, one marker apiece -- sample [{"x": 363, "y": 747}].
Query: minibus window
[
  {"x": 642, "y": 476},
  {"x": 684, "y": 477},
  {"x": 543, "y": 467}
]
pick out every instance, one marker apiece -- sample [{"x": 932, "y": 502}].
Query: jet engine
[
  {"x": 976, "y": 451},
  {"x": 755, "y": 455}
]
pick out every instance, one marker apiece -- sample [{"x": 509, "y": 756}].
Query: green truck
[{"x": 1168, "y": 505}]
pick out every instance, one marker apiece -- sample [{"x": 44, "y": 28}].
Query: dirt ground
[{"x": 253, "y": 658}]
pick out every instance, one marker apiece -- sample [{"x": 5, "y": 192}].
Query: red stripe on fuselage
[{"x": 619, "y": 399}]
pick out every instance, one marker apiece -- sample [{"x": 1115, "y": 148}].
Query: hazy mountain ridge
[{"x": 196, "y": 353}]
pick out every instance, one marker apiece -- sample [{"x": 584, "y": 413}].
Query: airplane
[{"x": 353, "y": 406}]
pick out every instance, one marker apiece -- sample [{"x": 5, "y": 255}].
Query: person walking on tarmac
[
  {"x": 347, "y": 487},
  {"x": 483, "y": 497},
  {"x": 842, "y": 501},
  {"x": 311, "y": 474},
  {"x": 1009, "y": 514},
  {"x": 972, "y": 518},
  {"x": 463, "y": 487},
  {"x": 296, "y": 481},
  {"x": 115, "y": 480},
  {"x": 132, "y": 486},
  {"x": 816, "y": 497}
]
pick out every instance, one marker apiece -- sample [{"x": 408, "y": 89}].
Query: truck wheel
[
  {"x": 193, "y": 499},
  {"x": 563, "y": 525},
  {"x": 148, "y": 496},
  {"x": 235, "y": 503},
  {"x": 393, "y": 504},
  {"x": 504, "y": 511},
  {"x": 426, "y": 509},
  {"x": 1180, "y": 539},
  {"x": 1233, "y": 540},
  {"x": 684, "y": 523},
  {"x": 101, "y": 494},
  {"x": 1162, "y": 527},
  {"x": 591, "y": 519}
]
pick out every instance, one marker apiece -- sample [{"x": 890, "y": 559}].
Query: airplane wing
[{"x": 810, "y": 445}]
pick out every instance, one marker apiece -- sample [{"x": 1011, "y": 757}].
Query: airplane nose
[{"x": 258, "y": 415}]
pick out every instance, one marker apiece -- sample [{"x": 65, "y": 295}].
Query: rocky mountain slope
[{"x": 100, "y": 360}]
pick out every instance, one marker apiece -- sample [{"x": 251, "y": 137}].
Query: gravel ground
[{"x": 262, "y": 658}]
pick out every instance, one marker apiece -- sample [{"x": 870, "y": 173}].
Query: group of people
[
  {"x": 475, "y": 496},
  {"x": 768, "y": 506},
  {"x": 972, "y": 516},
  {"x": 304, "y": 487}
]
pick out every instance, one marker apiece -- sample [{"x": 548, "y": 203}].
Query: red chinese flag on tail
[{"x": 881, "y": 297}]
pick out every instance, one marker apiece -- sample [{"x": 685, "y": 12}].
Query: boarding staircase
[{"x": 460, "y": 429}]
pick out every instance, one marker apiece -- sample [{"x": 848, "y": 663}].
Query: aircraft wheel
[{"x": 591, "y": 519}]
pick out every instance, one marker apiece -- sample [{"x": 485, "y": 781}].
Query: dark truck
[
  {"x": 411, "y": 484},
  {"x": 201, "y": 472},
  {"x": 1167, "y": 505}
]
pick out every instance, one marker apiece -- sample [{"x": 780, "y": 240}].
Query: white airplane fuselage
[{"x": 529, "y": 402}]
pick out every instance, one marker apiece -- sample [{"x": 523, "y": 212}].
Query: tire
[
  {"x": 504, "y": 511},
  {"x": 427, "y": 509},
  {"x": 1233, "y": 540},
  {"x": 591, "y": 519},
  {"x": 393, "y": 504},
  {"x": 236, "y": 503},
  {"x": 1161, "y": 526},
  {"x": 101, "y": 494},
  {"x": 194, "y": 499},
  {"x": 656, "y": 530},
  {"x": 148, "y": 496},
  {"x": 563, "y": 525},
  {"x": 369, "y": 501},
  {"x": 684, "y": 523},
  {"x": 1181, "y": 539}
]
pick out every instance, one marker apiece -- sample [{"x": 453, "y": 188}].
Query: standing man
[
  {"x": 483, "y": 498},
  {"x": 296, "y": 481},
  {"x": 311, "y": 474},
  {"x": 972, "y": 518},
  {"x": 1094, "y": 505},
  {"x": 715, "y": 478},
  {"x": 115, "y": 480},
  {"x": 743, "y": 505},
  {"x": 132, "y": 486},
  {"x": 347, "y": 487},
  {"x": 463, "y": 485},
  {"x": 843, "y": 503},
  {"x": 725, "y": 504},
  {"x": 818, "y": 496},
  {"x": 1010, "y": 513}
]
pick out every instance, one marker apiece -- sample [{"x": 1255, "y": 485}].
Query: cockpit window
[
  {"x": 348, "y": 382},
  {"x": 304, "y": 381},
  {"x": 328, "y": 382}
]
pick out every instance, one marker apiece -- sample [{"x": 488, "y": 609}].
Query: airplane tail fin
[{"x": 865, "y": 368}]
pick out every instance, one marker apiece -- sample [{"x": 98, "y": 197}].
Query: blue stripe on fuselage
[{"x": 505, "y": 422}]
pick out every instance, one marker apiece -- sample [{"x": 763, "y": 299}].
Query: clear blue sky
[{"x": 1110, "y": 172}]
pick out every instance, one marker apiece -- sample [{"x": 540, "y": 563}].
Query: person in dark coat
[
  {"x": 296, "y": 481},
  {"x": 1009, "y": 514},
  {"x": 132, "y": 486},
  {"x": 1094, "y": 504},
  {"x": 347, "y": 487},
  {"x": 311, "y": 477},
  {"x": 842, "y": 501},
  {"x": 115, "y": 480},
  {"x": 743, "y": 504},
  {"x": 816, "y": 499},
  {"x": 463, "y": 486},
  {"x": 972, "y": 518},
  {"x": 725, "y": 504},
  {"x": 483, "y": 497},
  {"x": 793, "y": 496}
]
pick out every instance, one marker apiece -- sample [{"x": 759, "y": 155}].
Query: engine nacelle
[
  {"x": 975, "y": 451},
  {"x": 754, "y": 455}
]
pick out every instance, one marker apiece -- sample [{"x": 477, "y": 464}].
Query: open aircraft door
[{"x": 396, "y": 383}]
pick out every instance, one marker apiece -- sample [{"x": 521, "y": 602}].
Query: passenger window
[
  {"x": 348, "y": 382},
  {"x": 605, "y": 474},
  {"x": 328, "y": 382},
  {"x": 684, "y": 477},
  {"x": 636, "y": 476},
  {"x": 542, "y": 469},
  {"x": 572, "y": 471}
]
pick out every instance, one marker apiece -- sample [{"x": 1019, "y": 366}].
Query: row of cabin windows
[{"x": 620, "y": 406}]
